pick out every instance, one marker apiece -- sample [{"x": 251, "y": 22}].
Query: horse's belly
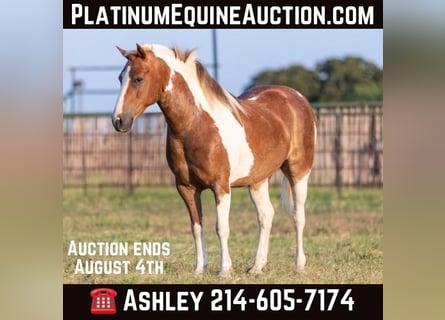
[{"x": 241, "y": 161}]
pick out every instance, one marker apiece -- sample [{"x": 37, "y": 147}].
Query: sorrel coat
[{"x": 216, "y": 141}]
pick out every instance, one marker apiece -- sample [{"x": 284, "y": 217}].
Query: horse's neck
[
  {"x": 179, "y": 106},
  {"x": 179, "y": 111}
]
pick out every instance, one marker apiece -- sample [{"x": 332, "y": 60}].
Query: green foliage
[
  {"x": 295, "y": 76},
  {"x": 347, "y": 79}
]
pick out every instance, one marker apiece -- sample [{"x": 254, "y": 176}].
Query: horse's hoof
[
  {"x": 299, "y": 269},
  {"x": 255, "y": 270},
  {"x": 224, "y": 274},
  {"x": 199, "y": 272},
  {"x": 300, "y": 263}
]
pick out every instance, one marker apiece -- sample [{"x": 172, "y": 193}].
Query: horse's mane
[
  {"x": 212, "y": 90},
  {"x": 184, "y": 55},
  {"x": 210, "y": 86}
]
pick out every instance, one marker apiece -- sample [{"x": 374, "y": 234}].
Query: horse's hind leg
[
  {"x": 259, "y": 194},
  {"x": 299, "y": 194}
]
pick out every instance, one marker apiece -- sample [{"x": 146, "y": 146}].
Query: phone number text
[{"x": 282, "y": 300}]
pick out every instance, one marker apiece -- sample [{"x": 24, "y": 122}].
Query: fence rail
[{"x": 349, "y": 149}]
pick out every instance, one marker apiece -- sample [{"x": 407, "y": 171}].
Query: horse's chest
[{"x": 216, "y": 149}]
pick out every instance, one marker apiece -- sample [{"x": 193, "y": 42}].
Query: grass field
[{"x": 343, "y": 235}]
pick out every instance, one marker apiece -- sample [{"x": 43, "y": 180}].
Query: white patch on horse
[
  {"x": 187, "y": 70},
  {"x": 265, "y": 213},
  {"x": 234, "y": 139},
  {"x": 169, "y": 86},
  {"x": 201, "y": 258},
  {"x": 299, "y": 194},
  {"x": 232, "y": 134},
  {"x": 299, "y": 93},
  {"x": 124, "y": 86},
  {"x": 223, "y": 231}
]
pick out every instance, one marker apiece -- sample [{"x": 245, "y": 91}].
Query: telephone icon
[{"x": 103, "y": 301}]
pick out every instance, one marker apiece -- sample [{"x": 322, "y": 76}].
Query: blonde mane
[{"x": 184, "y": 56}]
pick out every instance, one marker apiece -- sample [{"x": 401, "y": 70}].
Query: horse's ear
[
  {"x": 122, "y": 51},
  {"x": 141, "y": 51}
]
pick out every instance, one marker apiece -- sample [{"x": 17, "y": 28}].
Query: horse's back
[
  {"x": 281, "y": 107},
  {"x": 276, "y": 97}
]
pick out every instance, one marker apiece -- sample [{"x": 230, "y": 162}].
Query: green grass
[{"x": 343, "y": 235}]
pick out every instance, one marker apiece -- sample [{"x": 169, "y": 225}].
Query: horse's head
[{"x": 143, "y": 80}]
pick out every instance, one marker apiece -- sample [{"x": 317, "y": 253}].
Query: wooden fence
[{"x": 349, "y": 149}]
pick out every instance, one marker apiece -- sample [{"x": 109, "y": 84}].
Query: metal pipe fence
[{"x": 349, "y": 151}]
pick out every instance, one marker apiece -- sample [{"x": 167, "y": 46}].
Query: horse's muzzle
[{"x": 123, "y": 122}]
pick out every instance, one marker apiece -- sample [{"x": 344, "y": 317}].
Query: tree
[
  {"x": 297, "y": 77},
  {"x": 347, "y": 79}
]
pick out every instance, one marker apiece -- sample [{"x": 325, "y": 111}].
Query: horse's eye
[{"x": 138, "y": 80}]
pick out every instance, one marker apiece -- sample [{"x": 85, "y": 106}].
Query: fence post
[
  {"x": 375, "y": 170},
  {"x": 338, "y": 150},
  {"x": 83, "y": 157},
  {"x": 83, "y": 164},
  {"x": 130, "y": 162}
]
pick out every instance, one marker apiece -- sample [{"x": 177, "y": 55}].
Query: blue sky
[{"x": 242, "y": 53}]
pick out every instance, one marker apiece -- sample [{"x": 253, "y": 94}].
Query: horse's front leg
[
  {"x": 192, "y": 199},
  {"x": 223, "y": 231}
]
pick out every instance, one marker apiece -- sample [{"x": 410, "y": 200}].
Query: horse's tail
[{"x": 286, "y": 195}]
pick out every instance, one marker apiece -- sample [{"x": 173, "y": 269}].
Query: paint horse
[{"x": 216, "y": 141}]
